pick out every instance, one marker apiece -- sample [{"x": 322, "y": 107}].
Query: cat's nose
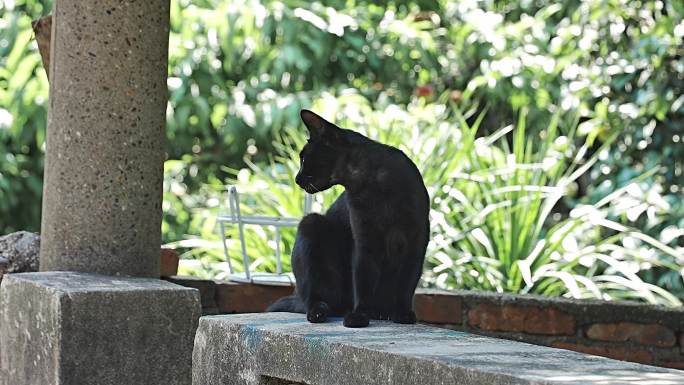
[{"x": 298, "y": 179}]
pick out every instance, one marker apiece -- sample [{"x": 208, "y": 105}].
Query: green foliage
[
  {"x": 493, "y": 223},
  {"x": 617, "y": 63},
  {"x": 23, "y": 105},
  {"x": 241, "y": 70},
  {"x": 496, "y": 228}
]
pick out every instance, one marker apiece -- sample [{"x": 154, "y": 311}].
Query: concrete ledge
[
  {"x": 629, "y": 331},
  {"x": 78, "y": 328},
  {"x": 275, "y": 348}
]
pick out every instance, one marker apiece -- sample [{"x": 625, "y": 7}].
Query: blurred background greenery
[{"x": 549, "y": 135}]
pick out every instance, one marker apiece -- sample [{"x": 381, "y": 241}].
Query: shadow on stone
[{"x": 266, "y": 380}]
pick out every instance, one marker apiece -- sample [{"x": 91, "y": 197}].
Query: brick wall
[
  {"x": 223, "y": 297},
  {"x": 627, "y": 331}
]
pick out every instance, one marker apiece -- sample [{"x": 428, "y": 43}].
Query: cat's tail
[{"x": 291, "y": 304}]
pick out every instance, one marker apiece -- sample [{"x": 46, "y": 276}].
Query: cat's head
[{"x": 318, "y": 167}]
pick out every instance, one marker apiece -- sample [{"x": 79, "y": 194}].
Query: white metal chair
[{"x": 279, "y": 278}]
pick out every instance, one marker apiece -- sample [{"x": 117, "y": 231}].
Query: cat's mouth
[
  {"x": 308, "y": 184},
  {"x": 310, "y": 188}
]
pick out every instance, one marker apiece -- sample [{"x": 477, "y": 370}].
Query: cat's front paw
[
  {"x": 355, "y": 320},
  {"x": 404, "y": 317},
  {"x": 318, "y": 312}
]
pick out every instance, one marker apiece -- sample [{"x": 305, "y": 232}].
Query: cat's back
[
  {"x": 397, "y": 171},
  {"x": 392, "y": 186},
  {"x": 386, "y": 185},
  {"x": 398, "y": 201}
]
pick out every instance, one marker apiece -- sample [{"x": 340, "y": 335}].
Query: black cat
[{"x": 364, "y": 257}]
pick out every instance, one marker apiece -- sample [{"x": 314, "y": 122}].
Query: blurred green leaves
[{"x": 23, "y": 105}]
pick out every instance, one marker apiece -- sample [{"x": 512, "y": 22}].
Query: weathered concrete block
[
  {"x": 274, "y": 348},
  {"x": 76, "y": 328}
]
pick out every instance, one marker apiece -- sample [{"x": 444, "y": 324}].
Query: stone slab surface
[
  {"x": 78, "y": 328},
  {"x": 258, "y": 348}
]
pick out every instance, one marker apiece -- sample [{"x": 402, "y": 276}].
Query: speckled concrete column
[{"x": 105, "y": 140}]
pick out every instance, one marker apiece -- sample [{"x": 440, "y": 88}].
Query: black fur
[
  {"x": 364, "y": 257},
  {"x": 290, "y": 303}
]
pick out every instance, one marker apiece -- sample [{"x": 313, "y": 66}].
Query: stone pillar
[
  {"x": 101, "y": 213},
  {"x": 105, "y": 139}
]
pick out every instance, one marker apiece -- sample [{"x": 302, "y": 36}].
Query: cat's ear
[
  {"x": 316, "y": 125},
  {"x": 320, "y": 128}
]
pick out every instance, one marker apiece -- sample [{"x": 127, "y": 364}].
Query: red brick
[
  {"x": 527, "y": 319},
  {"x": 616, "y": 352},
  {"x": 438, "y": 308},
  {"x": 644, "y": 334},
  {"x": 248, "y": 298},
  {"x": 672, "y": 364},
  {"x": 168, "y": 264},
  {"x": 206, "y": 287}
]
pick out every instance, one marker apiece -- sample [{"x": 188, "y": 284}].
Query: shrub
[{"x": 493, "y": 214}]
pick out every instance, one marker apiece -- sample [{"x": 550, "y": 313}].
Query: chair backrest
[{"x": 235, "y": 217}]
